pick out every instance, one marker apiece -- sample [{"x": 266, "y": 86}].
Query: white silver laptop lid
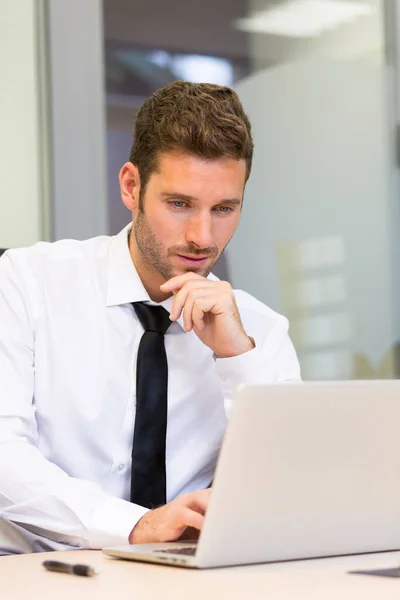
[{"x": 306, "y": 470}]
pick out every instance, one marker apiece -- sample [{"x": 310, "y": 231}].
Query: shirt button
[
  {"x": 121, "y": 467},
  {"x": 224, "y": 377}
]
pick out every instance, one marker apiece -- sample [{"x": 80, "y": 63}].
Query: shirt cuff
[
  {"x": 112, "y": 523},
  {"x": 245, "y": 368}
]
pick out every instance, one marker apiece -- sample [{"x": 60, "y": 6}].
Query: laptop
[{"x": 306, "y": 470}]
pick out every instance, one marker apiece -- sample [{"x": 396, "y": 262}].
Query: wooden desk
[{"x": 23, "y": 578}]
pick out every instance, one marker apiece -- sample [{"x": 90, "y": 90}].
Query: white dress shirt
[{"x": 68, "y": 344}]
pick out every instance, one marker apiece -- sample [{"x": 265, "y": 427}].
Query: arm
[
  {"x": 252, "y": 346},
  {"x": 273, "y": 360},
  {"x": 41, "y": 506},
  {"x": 35, "y": 493}
]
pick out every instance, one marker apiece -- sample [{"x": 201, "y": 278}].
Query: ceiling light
[{"x": 303, "y": 18}]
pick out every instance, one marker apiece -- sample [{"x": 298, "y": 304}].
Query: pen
[{"x": 61, "y": 567}]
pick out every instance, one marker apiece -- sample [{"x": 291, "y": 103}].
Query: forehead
[{"x": 195, "y": 176}]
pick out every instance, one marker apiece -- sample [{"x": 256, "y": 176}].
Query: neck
[{"x": 150, "y": 277}]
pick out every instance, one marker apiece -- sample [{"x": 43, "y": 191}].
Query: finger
[
  {"x": 193, "y": 297},
  {"x": 175, "y": 283},
  {"x": 187, "y": 311},
  {"x": 203, "y": 305},
  {"x": 178, "y": 303},
  {"x": 198, "y": 316},
  {"x": 182, "y": 296},
  {"x": 191, "y": 518},
  {"x": 199, "y": 500}
]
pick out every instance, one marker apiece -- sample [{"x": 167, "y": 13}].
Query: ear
[{"x": 129, "y": 183}]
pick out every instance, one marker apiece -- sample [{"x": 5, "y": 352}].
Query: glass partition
[{"x": 319, "y": 236}]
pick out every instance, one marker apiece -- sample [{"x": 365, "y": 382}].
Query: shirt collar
[
  {"x": 124, "y": 285},
  {"x": 123, "y": 282}
]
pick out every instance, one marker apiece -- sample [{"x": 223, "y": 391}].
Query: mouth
[{"x": 193, "y": 261}]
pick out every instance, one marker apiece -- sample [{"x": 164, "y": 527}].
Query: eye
[
  {"x": 178, "y": 203},
  {"x": 224, "y": 209}
]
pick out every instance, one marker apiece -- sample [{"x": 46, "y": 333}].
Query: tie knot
[{"x": 152, "y": 318}]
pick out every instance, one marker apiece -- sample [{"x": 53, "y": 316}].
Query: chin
[
  {"x": 201, "y": 272},
  {"x": 169, "y": 273}
]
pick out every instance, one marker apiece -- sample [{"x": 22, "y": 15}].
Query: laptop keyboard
[{"x": 188, "y": 551}]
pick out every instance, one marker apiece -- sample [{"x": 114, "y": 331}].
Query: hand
[
  {"x": 169, "y": 522},
  {"x": 210, "y": 309}
]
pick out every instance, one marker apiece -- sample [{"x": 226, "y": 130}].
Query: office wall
[
  {"x": 23, "y": 190},
  {"x": 75, "y": 48},
  {"x": 53, "y": 181},
  {"x": 318, "y": 209}
]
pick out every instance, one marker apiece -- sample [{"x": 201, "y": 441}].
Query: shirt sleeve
[
  {"x": 35, "y": 493},
  {"x": 273, "y": 360}
]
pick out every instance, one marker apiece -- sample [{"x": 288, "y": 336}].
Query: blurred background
[{"x": 319, "y": 239}]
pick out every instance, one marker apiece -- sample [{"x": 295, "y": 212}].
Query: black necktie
[{"x": 148, "y": 479}]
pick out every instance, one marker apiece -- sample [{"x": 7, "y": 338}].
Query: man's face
[{"x": 189, "y": 212}]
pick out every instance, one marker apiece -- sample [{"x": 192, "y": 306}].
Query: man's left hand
[{"x": 210, "y": 309}]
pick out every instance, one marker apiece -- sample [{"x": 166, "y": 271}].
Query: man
[{"x": 119, "y": 355}]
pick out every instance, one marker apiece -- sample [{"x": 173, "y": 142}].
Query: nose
[{"x": 199, "y": 230}]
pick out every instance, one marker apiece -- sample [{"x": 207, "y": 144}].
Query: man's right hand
[{"x": 169, "y": 522}]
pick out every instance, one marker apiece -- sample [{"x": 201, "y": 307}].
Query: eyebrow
[{"x": 232, "y": 201}]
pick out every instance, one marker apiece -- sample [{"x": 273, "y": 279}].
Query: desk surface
[{"x": 24, "y": 577}]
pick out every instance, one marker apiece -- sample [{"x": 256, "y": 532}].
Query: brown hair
[{"x": 201, "y": 119}]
